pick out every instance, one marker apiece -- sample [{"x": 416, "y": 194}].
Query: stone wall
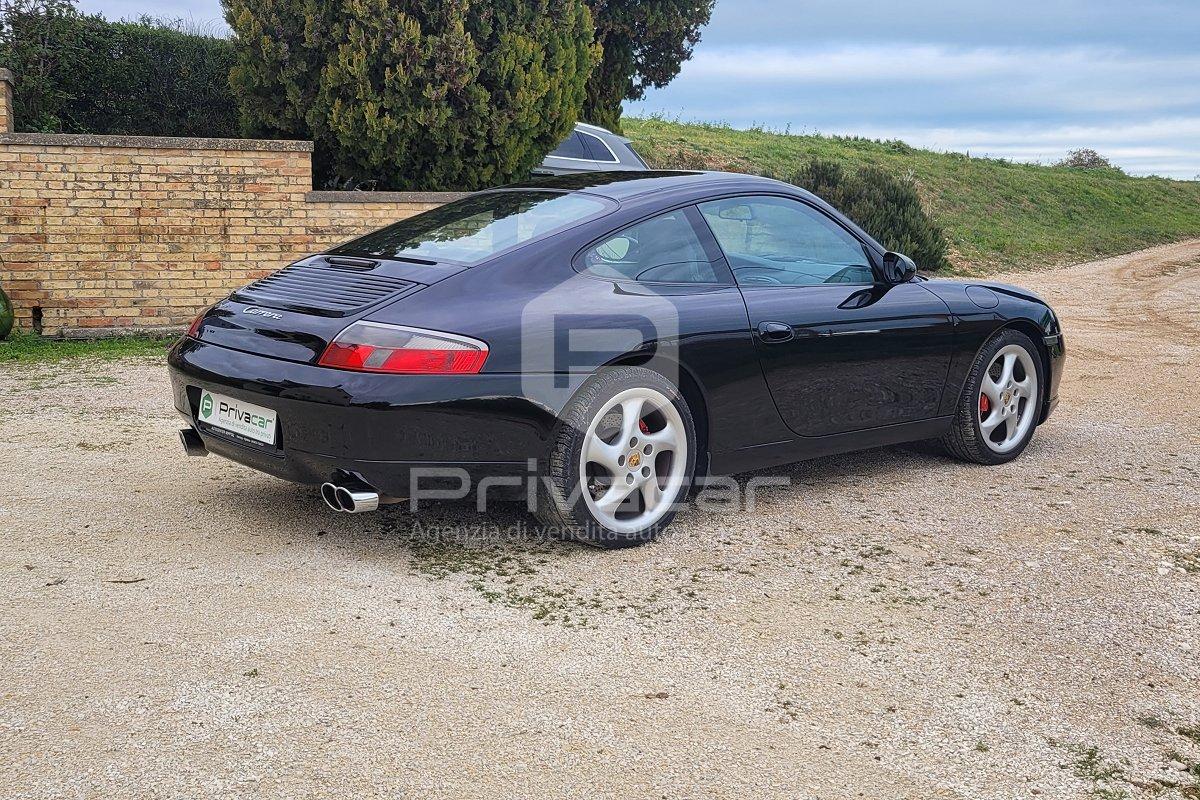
[{"x": 110, "y": 234}]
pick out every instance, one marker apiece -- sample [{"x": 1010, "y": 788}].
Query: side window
[
  {"x": 664, "y": 249},
  {"x": 637, "y": 158},
  {"x": 598, "y": 148},
  {"x": 776, "y": 241},
  {"x": 572, "y": 147}
]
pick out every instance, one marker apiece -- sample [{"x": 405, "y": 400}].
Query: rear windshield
[{"x": 476, "y": 228}]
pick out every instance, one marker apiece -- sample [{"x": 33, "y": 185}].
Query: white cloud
[
  {"x": 1142, "y": 109},
  {"x": 1076, "y": 79},
  {"x": 1157, "y": 147},
  {"x": 905, "y": 62}
]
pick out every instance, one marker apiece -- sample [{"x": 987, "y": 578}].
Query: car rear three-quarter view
[{"x": 598, "y": 345}]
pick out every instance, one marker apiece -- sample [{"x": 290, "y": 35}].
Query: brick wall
[{"x": 110, "y": 234}]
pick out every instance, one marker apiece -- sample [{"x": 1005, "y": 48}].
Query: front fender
[{"x": 980, "y": 309}]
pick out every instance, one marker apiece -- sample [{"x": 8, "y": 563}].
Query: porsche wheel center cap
[{"x": 635, "y": 458}]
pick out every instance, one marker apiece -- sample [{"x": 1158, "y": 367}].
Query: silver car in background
[{"x": 590, "y": 148}]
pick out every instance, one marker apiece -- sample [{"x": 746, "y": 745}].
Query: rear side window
[
  {"x": 475, "y": 228},
  {"x": 629, "y": 149},
  {"x": 573, "y": 147},
  {"x": 664, "y": 249},
  {"x": 598, "y": 148}
]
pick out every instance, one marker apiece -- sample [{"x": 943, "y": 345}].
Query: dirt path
[{"x": 893, "y": 625}]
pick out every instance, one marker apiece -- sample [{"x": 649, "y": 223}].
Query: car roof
[
  {"x": 633, "y": 184},
  {"x": 587, "y": 126},
  {"x": 634, "y": 187},
  {"x": 601, "y": 133}
]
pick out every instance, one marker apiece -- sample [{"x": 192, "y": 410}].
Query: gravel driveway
[{"x": 893, "y": 625}]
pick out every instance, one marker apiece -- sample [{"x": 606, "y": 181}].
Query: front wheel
[
  {"x": 622, "y": 459},
  {"x": 1001, "y": 402}
]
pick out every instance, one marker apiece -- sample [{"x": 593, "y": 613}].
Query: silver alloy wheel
[
  {"x": 1008, "y": 398},
  {"x": 632, "y": 470}
]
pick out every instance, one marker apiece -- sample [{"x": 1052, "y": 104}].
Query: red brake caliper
[
  {"x": 985, "y": 405},
  {"x": 642, "y": 426}
]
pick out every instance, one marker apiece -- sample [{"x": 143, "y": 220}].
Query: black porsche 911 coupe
[{"x": 600, "y": 344}]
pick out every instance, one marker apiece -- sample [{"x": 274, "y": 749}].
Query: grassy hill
[{"x": 998, "y": 215}]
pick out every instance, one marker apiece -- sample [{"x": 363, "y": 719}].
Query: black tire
[
  {"x": 966, "y": 439},
  {"x": 560, "y": 503}
]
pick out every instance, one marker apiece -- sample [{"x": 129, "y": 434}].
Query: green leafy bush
[
  {"x": 414, "y": 94},
  {"x": 78, "y": 73},
  {"x": 883, "y": 205}
]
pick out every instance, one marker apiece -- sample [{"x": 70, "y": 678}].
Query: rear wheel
[
  {"x": 1001, "y": 402},
  {"x": 621, "y": 461}
]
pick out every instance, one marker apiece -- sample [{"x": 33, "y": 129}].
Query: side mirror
[{"x": 898, "y": 268}]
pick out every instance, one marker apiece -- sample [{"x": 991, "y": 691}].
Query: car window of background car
[
  {"x": 470, "y": 230},
  {"x": 598, "y": 149},
  {"x": 664, "y": 249},
  {"x": 573, "y": 146},
  {"x": 634, "y": 153},
  {"x": 775, "y": 241}
]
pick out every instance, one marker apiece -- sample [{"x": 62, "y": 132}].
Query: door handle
[{"x": 775, "y": 332}]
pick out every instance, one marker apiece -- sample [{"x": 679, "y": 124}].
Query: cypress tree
[{"x": 414, "y": 94}]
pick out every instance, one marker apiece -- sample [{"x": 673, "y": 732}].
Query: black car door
[{"x": 840, "y": 350}]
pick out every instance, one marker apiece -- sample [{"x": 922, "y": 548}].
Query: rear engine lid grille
[{"x": 325, "y": 291}]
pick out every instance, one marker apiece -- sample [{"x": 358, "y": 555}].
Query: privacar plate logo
[{"x": 206, "y": 404}]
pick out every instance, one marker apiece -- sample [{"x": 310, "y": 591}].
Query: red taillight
[
  {"x": 194, "y": 328},
  {"x": 376, "y": 347},
  {"x": 376, "y": 359}
]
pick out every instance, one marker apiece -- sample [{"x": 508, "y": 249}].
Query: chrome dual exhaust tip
[
  {"x": 329, "y": 495},
  {"x": 351, "y": 497}
]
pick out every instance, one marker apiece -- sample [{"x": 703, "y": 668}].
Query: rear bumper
[{"x": 381, "y": 428}]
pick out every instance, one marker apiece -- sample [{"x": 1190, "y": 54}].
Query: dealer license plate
[{"x": 237, "y": 416}]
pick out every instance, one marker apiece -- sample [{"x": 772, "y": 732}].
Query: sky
[{"x": 1021, "y": 79}]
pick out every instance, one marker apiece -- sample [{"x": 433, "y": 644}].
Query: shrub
[
  {"x": 1086, "y": 158},
  {"x": 6, "y": 314},
  {"x": 886, "y": 207},
  {"x": 414, "y": 94},
  {"x": 79, "y": 73}
]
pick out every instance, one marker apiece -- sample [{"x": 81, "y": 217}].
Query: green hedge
[{"x": 78, "y": 73}]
